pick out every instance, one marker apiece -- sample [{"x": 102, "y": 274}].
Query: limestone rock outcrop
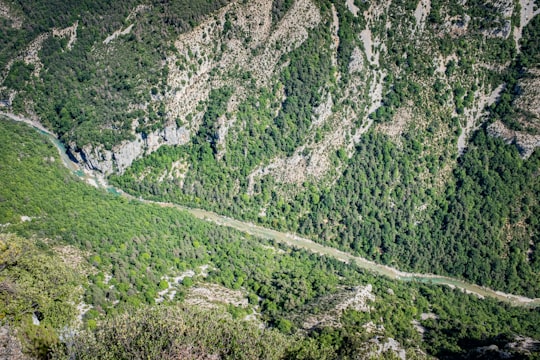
[
  {"x": 122, "y": 155},
  {"x": 526, "y": 143}
]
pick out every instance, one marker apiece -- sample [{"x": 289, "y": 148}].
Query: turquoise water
[
  {"x": 70, "y": 164},
  {"x": 63, "y": 152},
  {"x": 113, "y": 190}
]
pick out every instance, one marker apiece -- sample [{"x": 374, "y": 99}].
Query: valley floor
[{"x": 299, "y": 242}]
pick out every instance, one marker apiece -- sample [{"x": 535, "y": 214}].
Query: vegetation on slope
[
  {"x": 506, "y": 110},
  {"x": 137, "y": 244},
  {"x": 377, "y": 209},
  {"x": 178, "y": 332},
  {"x": 35, "y": 283},
  {"x": 93, "y": 86},
  {"x": 406, "y": 202}
]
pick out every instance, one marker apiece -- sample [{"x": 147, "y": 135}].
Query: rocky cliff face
[
  {"x": 240, "y": 38},
  {"x": 527, "y": 120},
  {"x": 122, "y": 155},
  {"x": 391, "y": 63},
  {"x": 525, "y": 142}
]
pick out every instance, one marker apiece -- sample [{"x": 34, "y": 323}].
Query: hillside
[
  {"x": 277, "y": 112},
  {"x": 110, "y": 258},
  {"x": 400, "y": 131}
]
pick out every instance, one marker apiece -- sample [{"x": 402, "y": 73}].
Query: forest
[
  {"x": 369, "y": 133},
  {"x": 137, "y": 244},
  {"x": 91, "y": 89},
  {"x": 385, "y": 201}
]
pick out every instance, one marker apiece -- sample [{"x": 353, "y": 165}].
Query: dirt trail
[
  {"x": 36, "y": 125},
  {"x": 303, "y": 243},
  {"x": 30, "y": 122}
]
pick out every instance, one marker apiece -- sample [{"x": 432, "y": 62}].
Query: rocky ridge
[
  {"x": 525, "y": 142},
  {"x": 203, "y": 60},
  {"x": 7, "y": 13},
  {"x": 242, "y": 38}
]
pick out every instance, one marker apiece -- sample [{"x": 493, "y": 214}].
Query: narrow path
[{"x": 300, "y": 242}]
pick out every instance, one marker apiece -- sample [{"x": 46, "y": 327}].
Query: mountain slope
[
  {"x": 133, "y": 261},
  {"x": 366, "y": 126}
]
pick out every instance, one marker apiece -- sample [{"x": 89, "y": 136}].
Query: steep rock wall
[{"x": 122, "y": 156}]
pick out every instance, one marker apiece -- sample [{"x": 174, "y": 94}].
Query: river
[{"x": 292, "y": 239}]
